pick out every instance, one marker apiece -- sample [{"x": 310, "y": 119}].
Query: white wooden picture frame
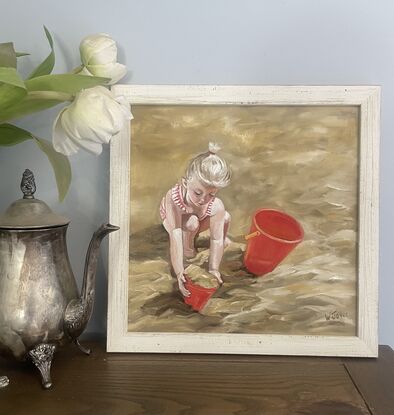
[{"x": 365, "y": 342}]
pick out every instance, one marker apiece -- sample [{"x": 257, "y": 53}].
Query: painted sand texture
[
  {"x": 200, "y": 276},
  {"x": 300, "y": 160}
]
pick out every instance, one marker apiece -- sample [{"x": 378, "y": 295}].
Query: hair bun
[{"x": 213, "y": 148}]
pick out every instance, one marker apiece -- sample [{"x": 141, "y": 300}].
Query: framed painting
[{"x": 249, "y": 221}]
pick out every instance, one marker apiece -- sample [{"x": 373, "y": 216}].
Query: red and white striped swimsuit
[{"x": 178, "y": 198}]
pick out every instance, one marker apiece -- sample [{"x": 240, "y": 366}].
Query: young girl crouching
[{"x": 191, "y": 207}]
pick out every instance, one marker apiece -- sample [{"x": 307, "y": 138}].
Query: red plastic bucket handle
[{"x": 252, "y": 235}]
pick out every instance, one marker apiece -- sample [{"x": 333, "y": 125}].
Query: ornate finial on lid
[{"x": 28, "y": 185}]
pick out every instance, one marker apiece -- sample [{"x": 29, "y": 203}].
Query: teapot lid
[{"x": 28, "y": 212}]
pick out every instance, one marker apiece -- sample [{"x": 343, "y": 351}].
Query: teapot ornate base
[
  {"x": 4, "y": 381},
  {"x": 42, "y": 356}
]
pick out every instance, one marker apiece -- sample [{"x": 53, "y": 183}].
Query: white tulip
[
  {"x": 90, "y": 121},
  {"x": 99, "y": 55}
]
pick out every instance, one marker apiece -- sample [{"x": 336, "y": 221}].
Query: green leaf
[
  {"x": 11, "y": 135},
  {"x": 10, "y": 76},
  {"x": 12, "y": 88},
  {"x": 27, "y": 105},
  {"x": 60, "y": 164},
  {"x": 7, "y": 55},
  {"x": 47, "y": 65},
  {"x": 19, "y": 54},
  {"x": 9, "y": 95},
  {"x": 68, "y": 83}
]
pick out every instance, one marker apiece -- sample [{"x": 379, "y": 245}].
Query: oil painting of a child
[{"x": 189, "y": 197}]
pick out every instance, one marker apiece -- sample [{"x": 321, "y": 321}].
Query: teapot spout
[
  {"x": 79, "y": 310},
  {"x": 89, "y": 277}
]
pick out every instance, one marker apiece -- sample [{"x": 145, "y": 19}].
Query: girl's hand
[
  {"x": 217, "y": 276},
  {"x": 181, "y": 280}
]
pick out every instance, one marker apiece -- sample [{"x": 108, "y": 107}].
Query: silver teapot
[{"x": 40, "y": 307}]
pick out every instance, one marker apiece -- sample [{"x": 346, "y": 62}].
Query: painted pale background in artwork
[
  {"x": 284, "y": 42},
  {"x": 301, "y": 160}
]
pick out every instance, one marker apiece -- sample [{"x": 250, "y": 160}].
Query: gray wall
[{"x": 307, "y": 42}]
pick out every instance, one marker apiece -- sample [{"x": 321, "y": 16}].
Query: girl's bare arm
[
  {"x": 173, "y": 225},
  {"x": 216, "y": 236}
]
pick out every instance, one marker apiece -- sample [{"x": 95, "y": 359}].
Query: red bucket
[
  {"x": 199, "y": 296},
  {"x": 273, "y": 235}
]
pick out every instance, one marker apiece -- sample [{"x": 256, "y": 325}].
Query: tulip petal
[
  {"x": 60, "y": 140},
  {"x": 92, "y": 44},
  {"x": 115, "y": 71},
  {"x": 67, "y": 145},
  {"x": 98, "y": 49},
  {"x": 84, "y": 128},
  {"x": 91, "y": 146},
  {"x": 125, "y": 107},
  {"x": 86, "y": 119},
  {"x": 115, "y": 113},
  {"x": 104, "y": 55}
]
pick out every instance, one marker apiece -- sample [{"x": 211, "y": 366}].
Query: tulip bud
[
  {"x": 99, "y": 55},
  {"x": 90, "y": 121}
]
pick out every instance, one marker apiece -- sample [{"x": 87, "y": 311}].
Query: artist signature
[{"x": 336, "y": 315}]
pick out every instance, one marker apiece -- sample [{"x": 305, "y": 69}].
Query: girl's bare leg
[
  {"x": 204, "y": 225},
  {"x": 190, "y": 228}
]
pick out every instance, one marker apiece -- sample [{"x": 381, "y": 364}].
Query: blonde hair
[{"x": 209, "y": 168}]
